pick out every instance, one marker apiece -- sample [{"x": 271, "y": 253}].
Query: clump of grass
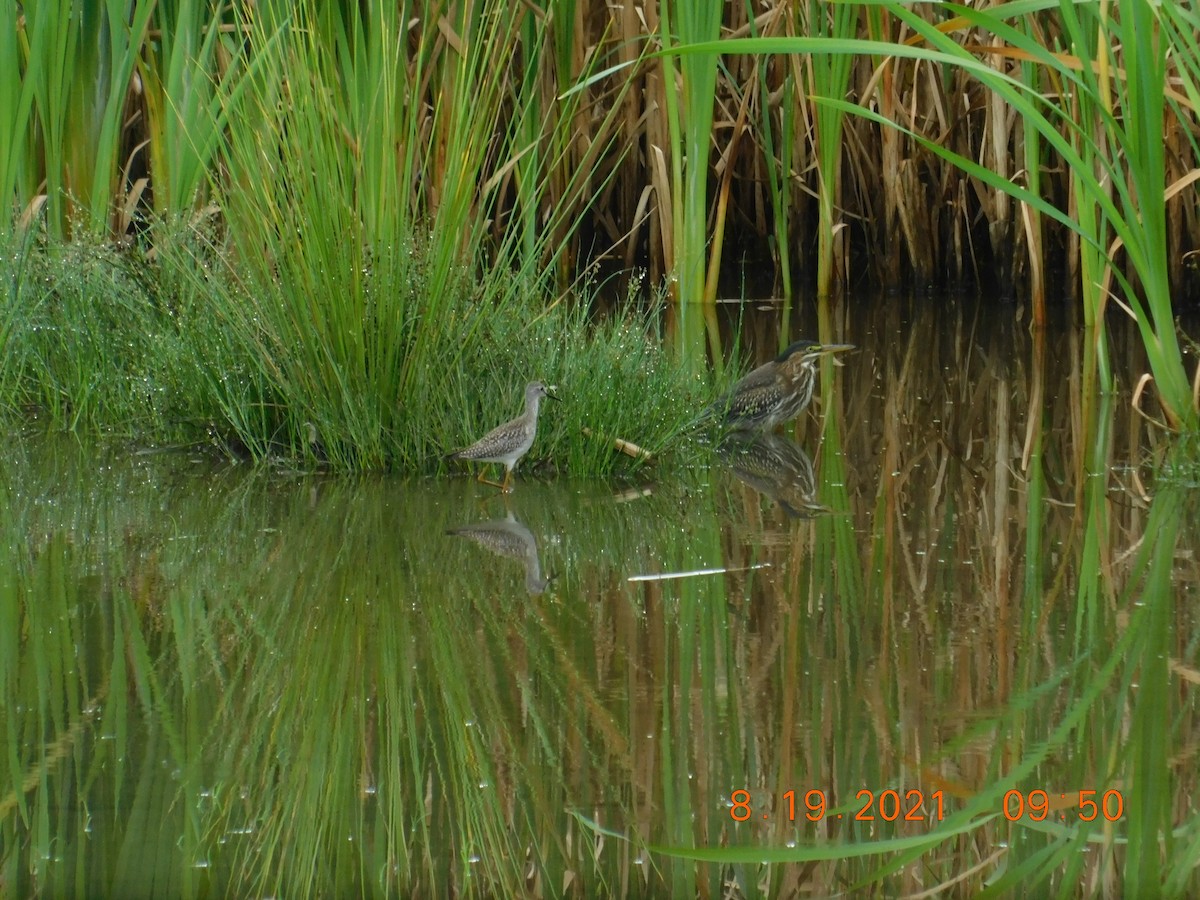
[
  {"x": 493, "y": 334},
  {"x": 357, "y": 323},
  {"x": 14, "y": 268},
  {"x": 295, "y": 357},
  {"x": 184, "y": 345},
  {"x": 616, "y": 381},
  {"x": 87, "y": 344}
]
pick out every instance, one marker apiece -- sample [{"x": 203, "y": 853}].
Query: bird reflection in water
[
  {"x": 508, "y": 537},
  {"x": 773, "y": 466}
]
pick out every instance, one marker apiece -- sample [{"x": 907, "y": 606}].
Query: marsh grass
[
  {"x": 178, "y": 348},
  {"x": 829, "y": 76},
  {"x": 89, "y": 347},
  {"x": 134, "y": 119},
  {"x": 341, "y": 155},
  {"x": 15, "y": 276},
  {"x": 623, "y": 385}
]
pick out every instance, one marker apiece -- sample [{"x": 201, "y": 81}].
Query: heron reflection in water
[
  {"x": 773, "y": 466},
  {"x": 508, "y": 537}
]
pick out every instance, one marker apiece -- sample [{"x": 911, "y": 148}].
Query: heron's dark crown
[{"x": 797, "y": 347}]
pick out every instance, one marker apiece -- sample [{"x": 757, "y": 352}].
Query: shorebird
[{"x": 507, "y": 443}]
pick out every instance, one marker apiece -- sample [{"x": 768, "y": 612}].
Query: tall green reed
[
  {"x": 77, "y": 68},
  {"x": 781, "y": 158},
  {"x": 531, "y": 108},
  {"x": 17, "y": 175},
  {"x": 1129, "y": 110},
  {"x": 179, "y": 70},
  {"x": 688, "y": 95},
  {"x": 349, "y": 315},
  {"x": 829, "y": 76}
]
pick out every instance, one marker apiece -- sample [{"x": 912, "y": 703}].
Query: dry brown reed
[{"x": 912, "y": 217}]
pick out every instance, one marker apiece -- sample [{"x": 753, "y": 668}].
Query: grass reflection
[{"x": 224, "y": 681}]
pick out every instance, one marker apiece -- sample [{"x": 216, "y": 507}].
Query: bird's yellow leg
[
  {"x": 483, "y": 479},
  {"x": 507, "y": 486}
]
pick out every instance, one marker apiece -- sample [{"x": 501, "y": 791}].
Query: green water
[{"x": 224, "y": 681}]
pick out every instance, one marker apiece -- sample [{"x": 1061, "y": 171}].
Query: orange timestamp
[
  {"x": 1087, "y": 805},
  {"x": 887, "y": 805}
]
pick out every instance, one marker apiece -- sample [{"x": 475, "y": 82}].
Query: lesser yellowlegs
[{"x": 507, "y": 443}]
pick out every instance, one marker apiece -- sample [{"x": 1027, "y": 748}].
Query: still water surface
[{"x": 818, "y": 664}]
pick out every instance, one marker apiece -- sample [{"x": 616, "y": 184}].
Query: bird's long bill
[
  {"x": 548, "y": 395},
  {"x": 836, "y": 348}
]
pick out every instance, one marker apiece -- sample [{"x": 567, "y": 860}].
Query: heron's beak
[{"x": 836, "y": 348}]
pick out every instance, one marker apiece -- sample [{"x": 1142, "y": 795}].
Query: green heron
[
  {"x": 507, "y": 443},
  {"x": 776, "y": 391}
]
